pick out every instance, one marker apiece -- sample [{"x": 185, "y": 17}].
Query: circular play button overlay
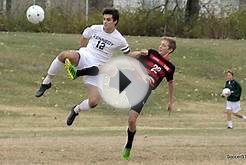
[{"x": 123, "y": 82}]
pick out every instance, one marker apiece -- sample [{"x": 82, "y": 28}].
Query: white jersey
[{"x": 101, "y": 44}]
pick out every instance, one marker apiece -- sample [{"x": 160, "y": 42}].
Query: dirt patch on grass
[{"x": 181, "y": 139}]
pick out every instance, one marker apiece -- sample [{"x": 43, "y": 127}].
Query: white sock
[
  {"x": 244, "y": 117},
  {"x": 47, "y": 79},
  {"x": 83, "y": 106},
  {"x": 55, "y": 66},
  {"x": 229, "y": 124}
]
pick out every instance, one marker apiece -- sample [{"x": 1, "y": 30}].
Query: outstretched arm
[
  {"x": 137, "y": 54},
  {"x": 170, "y": 96}
]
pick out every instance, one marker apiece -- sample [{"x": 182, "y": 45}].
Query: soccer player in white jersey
[{"x": 97, "y": 43}]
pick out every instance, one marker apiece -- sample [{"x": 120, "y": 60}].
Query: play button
[{"x": 122, "y": 82}]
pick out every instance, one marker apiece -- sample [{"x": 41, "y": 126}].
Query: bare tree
[
  {"x": 8, "y": 5},
  {"x": 192, "y": 10}
]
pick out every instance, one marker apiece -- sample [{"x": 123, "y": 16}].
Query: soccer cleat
[
  {"x": 42, "y": 89},
  {"x": 71, "y": 116},
  {"x": 71, "y": 70},
  {"x": 126, "y": 153},
  {"x": 229, "y": 127}
]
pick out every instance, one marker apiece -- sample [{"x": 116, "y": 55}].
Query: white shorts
[
  {"x": 234, "y": 107},
  {"x": 87, "y": 60}
]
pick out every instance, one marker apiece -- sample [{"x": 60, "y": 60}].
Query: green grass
[
  {"x": 25, "y": 58},
  {"x": 33, "y": 129}
]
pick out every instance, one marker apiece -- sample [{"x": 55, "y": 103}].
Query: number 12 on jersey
[{"x": 100, "y": 45}]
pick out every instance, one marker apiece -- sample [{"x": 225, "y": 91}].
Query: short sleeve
[
  {"x": 87, "y": 33},
  {"x": 124, "y": 47},
  {"x": 169, "y": 76}
]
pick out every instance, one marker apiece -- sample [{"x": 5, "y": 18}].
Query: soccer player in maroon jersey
[{"x": 158, "y": 66}]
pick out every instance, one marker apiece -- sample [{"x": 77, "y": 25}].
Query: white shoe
[{"x": 229, "y": 124}]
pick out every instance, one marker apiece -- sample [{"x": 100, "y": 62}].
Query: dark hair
[
  {"x": 230, "y": 71},
  {"x": 114, "y": 12}
]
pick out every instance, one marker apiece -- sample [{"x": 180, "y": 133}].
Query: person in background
[{"x": 233, "y": 98}]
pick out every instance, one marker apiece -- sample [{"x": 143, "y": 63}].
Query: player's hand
[
  {"x": 227, "y": 95},
  {"x": 149, "y": 80},
  {"x": 170, "y": 108},
  {"x": 143, "y": 52}
]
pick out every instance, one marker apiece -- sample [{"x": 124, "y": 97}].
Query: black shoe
[
  {"x": 71, "y": 116},
  {"x": 42, "y": 89}
]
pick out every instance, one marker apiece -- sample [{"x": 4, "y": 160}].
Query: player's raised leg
[
  {"x": 54, "y": 68},
  {"x": 85, "y": 105},
  {"x": 71, "y": 70},
  {"x": 73, "y": 73},
  {"x": 52, "y": 71}
]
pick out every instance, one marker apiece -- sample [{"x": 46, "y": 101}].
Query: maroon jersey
[{"x": 157, "y": 67}]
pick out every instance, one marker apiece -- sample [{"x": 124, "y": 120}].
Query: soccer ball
[
  {"x": 226, "y": 92},
  {"x": 35, "y": 14}
]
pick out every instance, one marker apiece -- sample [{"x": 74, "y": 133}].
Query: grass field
[{"x": 33, "y": 130}]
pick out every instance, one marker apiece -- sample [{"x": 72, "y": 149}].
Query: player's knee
[
  {"x": 62, "y": 56},
  {"x": 132, "y": 121},
  {"x": 67, "y": 55},
  {"x": 93, "y": 103}
]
